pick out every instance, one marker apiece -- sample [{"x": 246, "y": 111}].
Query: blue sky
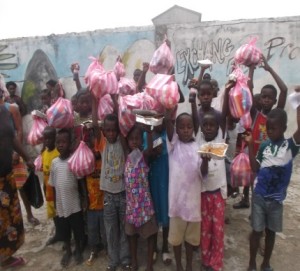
[{"x": 20, "y": 18}]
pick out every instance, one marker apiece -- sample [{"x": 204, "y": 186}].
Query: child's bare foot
[{"x": 66, "y": 259}]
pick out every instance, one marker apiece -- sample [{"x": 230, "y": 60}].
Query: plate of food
[
  {"x": 149, "y": 120},
  {"x": 214, "y": 150},
  {"x": 205, "y": 62}
]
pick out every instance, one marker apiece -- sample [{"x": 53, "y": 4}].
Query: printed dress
[{"x": 139, "y": 206}]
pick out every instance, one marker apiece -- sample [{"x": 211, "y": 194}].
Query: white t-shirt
[{"x": 66, "y": 188}]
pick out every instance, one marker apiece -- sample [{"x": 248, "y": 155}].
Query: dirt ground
[{"x": 285, "y": 256}]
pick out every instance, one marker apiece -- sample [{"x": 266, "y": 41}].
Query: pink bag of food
[
  {"x": 126, "y": 118},
  {"x": 38, "y": 163},
  {"x": 119, "y": 69},
  {"x": 82, "y": 161},
  {"x": 60, "y": 114},
  {"x": 127, "y": 86},
  {"x": 108, "y": 83},
  {"x": 246, "y": 121},
  {"x": 162, "y": 60},
  {"x": 157, "y": 83},
  {"x": 248, "y": 54},
  {"x": 94, "y": 66},
  {"x": 240, "y": 98},
  {"x": 240, "y": 170},
  {"x": 105, "y": 106},
  {"x": 35, "y": 135}
]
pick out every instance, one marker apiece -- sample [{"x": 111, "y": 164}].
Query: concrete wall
[{"x": 37, "y": 59}]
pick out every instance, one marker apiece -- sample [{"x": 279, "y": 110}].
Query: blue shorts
[{"x": 266, "y": 213}]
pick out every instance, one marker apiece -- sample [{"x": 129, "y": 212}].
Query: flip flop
[
  {"x": 166, "y": 257},
  {"x": 16, "y": 262},
  {"x": 154, "y": 256}
]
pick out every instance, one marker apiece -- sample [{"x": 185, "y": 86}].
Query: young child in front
[
  {"x": 67, "y": 199},
  {"x": 184, "y": 187},
  {"x": 214, "y": 193},
  {"x": 273, "y": 165},
  {"x": 113, "y": 185},
  {"x": 50, "y": 152},
  {"x": 140, "y": 219}
]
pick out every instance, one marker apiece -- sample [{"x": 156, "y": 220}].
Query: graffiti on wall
[
  {"x": 4, "y": 56},
  {"x": 222, "y": 51}
]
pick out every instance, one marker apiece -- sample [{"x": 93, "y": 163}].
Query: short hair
[
  {"x": 137, "y": 70},
  {"x": 65, "y": 131},
  {"x": 50, "y": 130},
  {"x": 279, "y": 114},
  {"x": 51, "y": 82},
  {"x": 134, "y": 128},
  {"x": 270, "y": 87},
  {"x": 112, "y": 117},
  {"x": 11, "y": 83},
  {"x": 205, "y": 82},
  {"x": 182, "y": 115},
  {"x": 82, "y": 92}
]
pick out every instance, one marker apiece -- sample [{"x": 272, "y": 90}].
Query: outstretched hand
[
  {"x": 265, "y": 63},
  {"x": 248, "y": 137},
  {"x": 230, "y": 84},
  {"x": 145, "y": 67}
]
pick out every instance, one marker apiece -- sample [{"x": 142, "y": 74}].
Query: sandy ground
[{"x": 285, "y": 256}]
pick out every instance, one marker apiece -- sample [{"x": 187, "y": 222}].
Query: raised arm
[
  {"x": 17, "y": 118},
  {"x": 281, "y": 85},
  {"x": 192, "y": 99},
  {"x": 297, "y": 133},
  {"x": 75, "y": 72},
  {"x": 142, "y": 79}
]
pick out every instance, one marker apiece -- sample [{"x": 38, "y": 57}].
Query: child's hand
[
  {"x": 248, "y": 137},
  {"x": 230, "y": 84},
  {"x": 265, "y": 63},
  {"x": 145, "y": 67},
  {"x": 193, "y": 83},
  {"x": 192, "y": 97},
  {"x": 75, "y": 67}
]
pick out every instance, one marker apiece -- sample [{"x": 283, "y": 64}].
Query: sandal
[
  {"x": 154, "y": 256},
  {"x": 166, "y": 257},
  {"x": 111, "y": 268},
  {"x": 15, "y": 262},
  {"x": 243, "y": 204},
  {"x": 33, "y": 221},
  {"x": 269, "y": 268},
  {"x": 128, "y": 267},
  {"x": 91, "y": 259}
]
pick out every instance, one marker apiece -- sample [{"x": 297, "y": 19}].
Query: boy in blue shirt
[{"x": 273, "y": 165}]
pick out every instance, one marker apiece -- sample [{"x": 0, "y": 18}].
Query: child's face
[
  {"x": 135, "y": 140},
  {"x": 205, "y": 95},
  {"x": 185, "y": 128},
  {"x": 209, "y": 127},
  {"x": 63, "y": 144},
  {"x": 267, "y": 99},
  {"x": 49, "y": 140},
  {"x": 275, "y": 129},
  {"x": 111, "y": 131},
  {"x": 12, "y": 90},
  {"x": 84, "y": 105},
  {"x": 46, "y": 99}
]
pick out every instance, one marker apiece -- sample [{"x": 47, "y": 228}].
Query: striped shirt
[{"x": 66, "y": 188}]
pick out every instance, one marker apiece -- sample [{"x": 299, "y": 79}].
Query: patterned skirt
[{"x": 11, "y": 223}]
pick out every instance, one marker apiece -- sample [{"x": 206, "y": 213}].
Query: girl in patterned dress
[{"x": 140, "y": 219}]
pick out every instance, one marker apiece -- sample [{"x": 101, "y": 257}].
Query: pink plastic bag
[
  {"x": 162, "y": 60},
  {"x": 157, "y": 83},
  {"x": 108, "y": 83},
  {"x": 94, "y": 66},
  {"x": 105, "y": 106},
  {"x": 240, "y": 170},
  {"x": 127, "y": 86},
  {"x": 60, "y": 114},
  {"x": 246, "y": 121},
  {"x": 119, "y": 69},
  {"x": 82, "y": 161},
  {"x": 248, "y": 54},
  {"x": 240, "y": 98},
  {"x": 38, "y": 163},
  {"x": 35, "y": 135}
]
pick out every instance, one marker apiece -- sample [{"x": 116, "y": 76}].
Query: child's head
[
  {"x": 135, "y": 138},
  {"x": 84, "y": 103},
  {"x": 111, "y": 128},
  {"x": 205, "y": 93},
  {"x": 276, "y": 124},
  {"x": 268, "y": 95},
  {"x": 206, "y": 76},
  {"x": 184, "y": 127},
  {"x": 46, "y": 97},
  {"x": 49, "y": 135},
  {"x": 74, "y": 103},
  {"x": 136, "y": 75},
  {"x": 15, "y": 158},
  {"x": 210, "y": 126},
  {"x": 11, "y": 87},
  {"x": 63, "y": 142}
]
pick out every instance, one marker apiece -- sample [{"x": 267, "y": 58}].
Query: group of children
[{"x": 137, "y": 187}]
